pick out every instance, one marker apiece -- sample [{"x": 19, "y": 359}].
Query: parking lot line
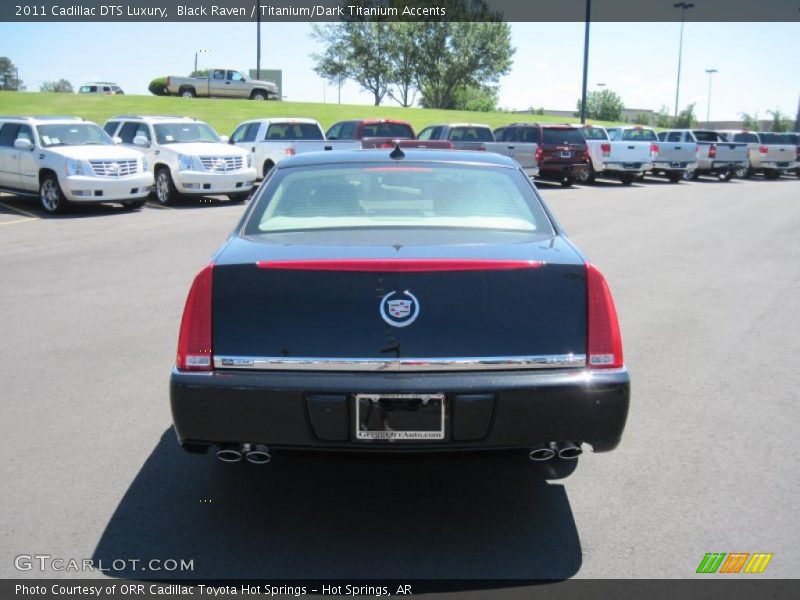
[
  {"x": 19, "y": 221},
  {"x": 19, "y": 210}
]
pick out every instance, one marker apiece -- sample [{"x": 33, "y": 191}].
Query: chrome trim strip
[{"x": 406, "y": 365}]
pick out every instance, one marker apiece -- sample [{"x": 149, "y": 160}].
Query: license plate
[
  {"x": 783, "y": 164},
  {"x": 630, "y": 165},
  {"x": 406, "y": 417},
  {"x": 677, "y": 165},
  {"x": 566, "y": 155}
]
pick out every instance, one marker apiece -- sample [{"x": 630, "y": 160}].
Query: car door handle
[
  {"x": 677, "y": 147},
  {"x": 253, "y": 149},
  {"x": 511, "y": 147}
]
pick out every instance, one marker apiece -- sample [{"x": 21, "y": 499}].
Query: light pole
[
  {"x": 585, "y": 60},
  {"x": 195, "y": 57},
  {"x": 258, "y": 39},
  {"x": 708, "y": 108},
  {"x": 684, "y": 6}
]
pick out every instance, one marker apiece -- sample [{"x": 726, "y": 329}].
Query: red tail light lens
[
  {"x": 289, "y": 152},
  {"x": 387, "y": 145},
  {"x": 606, "y": 149},
  {"x": 763, "y": 149},
  {"x": 194, "y": 339},
  {"x": 712, "y": 151},
  {"x": 539, "y": 153},
  {"x": 653, "y": 150},
  {"x": 604, "y": 343}
]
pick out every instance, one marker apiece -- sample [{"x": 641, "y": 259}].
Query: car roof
[
  {"x": 409, "y": 154},
  {"x": 451, "y": 125},
  {"x": 43, "y": 118},
  {"x": 272, "y": 120},
  {"x": 153, "y": 118}
]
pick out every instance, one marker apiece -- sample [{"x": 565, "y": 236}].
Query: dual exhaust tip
[
  {"x": 257, "y": 454},
  {"x": 564, "y": 450}
]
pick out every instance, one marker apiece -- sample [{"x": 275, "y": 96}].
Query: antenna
[{"x": 397, "y": 153}]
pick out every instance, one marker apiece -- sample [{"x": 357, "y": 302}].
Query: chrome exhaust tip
[
  {"x": 569, "y": 451},
  {"x": 259, "y": 455},
  {"x": 229, "y": 454},
  {"x": 542, "y": 453}
]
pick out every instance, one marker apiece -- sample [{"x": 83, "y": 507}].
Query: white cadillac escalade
[
  {"x": 187, "y": 157},
  {"x": 67, "y": 160}
]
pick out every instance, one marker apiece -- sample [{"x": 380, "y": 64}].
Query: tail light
[
  {"x": 539, "y": 153},
  {"x": 450, "y": 146},
  {"x": 712, "y": 151},
  {"x": 194, "y": 339},
  {"x": 289, "y": 152},
  {"x": 604, "y": 343},
  {"x": 387, "y": 145},
  {"x": 763, "y": 149},
  {"x": 481, "y": 148},
  {"x": 606, "y": 149},
  {"x": 653, "y": 150}
]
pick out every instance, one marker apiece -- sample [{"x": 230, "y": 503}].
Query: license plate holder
[
  {"x": 399, "y": 417},
  {"x": 566, "y": 154}
]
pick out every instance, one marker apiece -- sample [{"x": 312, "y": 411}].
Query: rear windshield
[
  {"x": 392, "y": 130},
  {"x": 707, "y": 136},
  {"x": 563, "y": 135},
  {"x": 639, "y": 135},
  {"x": 792, "y": 138},
  {"x": 79, "y": 134},
  {"x": 772, "y": 138},
  {"x": 747, "y": 138},
  {"x": 471, "y": 134},
  {"x": 414, "y": 195},
  {"x": 294, "y": 131},
  {"x": 177, "y": 133},
  {"x": 594, "y": 133}
]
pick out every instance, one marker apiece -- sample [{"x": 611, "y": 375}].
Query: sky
[{"x": 758, "y": 63}]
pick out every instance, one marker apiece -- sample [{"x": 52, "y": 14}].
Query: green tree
[
  {"x": 780, "y": 122},
  {"x": 9, "y": 75},
  {"x": 158, "y": 87},
  {"x": 686, "y": 118},
  {"x": 403, "y": 57},
  {"x": 200, "y": 73},
  {"x": 663, "y": 120},
  {"x": 359, "y": 51},
  {"x": 476, "y": 98},
  {"x": 62, "y": 86},
  {"x": 604, "y": 105},
  {"x": 749, "y": 121}
]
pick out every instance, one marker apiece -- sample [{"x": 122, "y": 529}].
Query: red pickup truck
[{"x": 382, "y": 133}]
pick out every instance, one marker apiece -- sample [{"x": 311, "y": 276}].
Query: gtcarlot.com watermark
[{"x": 49, "y": 563}]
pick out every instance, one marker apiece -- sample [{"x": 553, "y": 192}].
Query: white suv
[
  {"x": 187, "y": 157},
  {"x": 67, "y": 159}
]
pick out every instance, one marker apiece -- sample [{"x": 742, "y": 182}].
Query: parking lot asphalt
[{"x": 706, "y": 277}]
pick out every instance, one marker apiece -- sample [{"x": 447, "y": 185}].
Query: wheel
[
  {"x": 133, "y": 204},
  {"x": 268, "y": 165},
  {"x": 567, "y": 181},
  {"x": 237, "y": 198},
  {"x": 165, "y": 188},
  {"x": 259, "y": 96},
  {"x": 772, "y": 174},
  {"x": 675, "y": 177},
  {"x": 725, "y": 175},
  {"x": 627, "y": 178},
  {"x": 188, "y": 93},
  {"x": 743, "y": 172},
  {"x": 51, "y": 196},
  {"x": 587, "y": 177},
  {"x": 691, "y": 175}
]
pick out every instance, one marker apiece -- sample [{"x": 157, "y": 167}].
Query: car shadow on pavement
[{"x": 326, "y": 516}]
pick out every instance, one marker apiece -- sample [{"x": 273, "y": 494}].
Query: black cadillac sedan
[{"x": 398, "y": 300}]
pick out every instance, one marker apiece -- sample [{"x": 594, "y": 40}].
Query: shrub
[{"x": 158, "y": 87}]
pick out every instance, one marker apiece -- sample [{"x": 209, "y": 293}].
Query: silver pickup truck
[
  {"x": 222, "y": 83},
  {"x": 476, "y": 136},
  {"x": 674, "y": 158},
  {"x": 715, "y": 155},
  {"x": 271, "y": 140},
  {"x": 622, "y": 152},
  {"x": 768, "y": 153}
]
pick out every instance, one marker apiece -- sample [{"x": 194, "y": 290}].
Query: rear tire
[
  {"x": 675, "y": 177},
  {"x": 133, "y": 204},
  {"x": 772, "y": 174},
  {"x": 725, "y": 175},
  {"x": 691, "y": 175},
  {"x": 744, "y": 173},
  {"x": 586, "y": 177},
  {"x": 238, "y": 198},
  {"x": 166, "y": 193},
  {"x": 268, "y": 166},
  {"x": 627, "y": 178},
  {"x": 567, "y": 182},
  {"x": 51, "y": 197}
]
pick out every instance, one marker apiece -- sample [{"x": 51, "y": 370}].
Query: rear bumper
[
  {"x": 779, "y": 165},
  {"x": 719, "y": 166},
  {"x": 561, "y": 170},
  {"x": 483, "y": 410},
  {"x": 677, "y": 166},
  {"x": 621, "y": 167}
]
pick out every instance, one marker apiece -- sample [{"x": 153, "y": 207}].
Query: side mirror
[
  {"x": 140, "y": 140},
  {"x": 23, "y": 144},
  {"x": 225, "y": 139},
  {"x": 116, "y": 139}
]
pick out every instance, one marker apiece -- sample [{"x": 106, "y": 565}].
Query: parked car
[
  {"x": 67, "y": 160},
  {"x": 794, "y": 139},
  {"x": 187, "y": 156},
  {"x": 715, "y": 155},
  {"x": 625, "y": 153},
  {"x": 108, "y": 88},
  {"x": 270, "y": 140},
  {"x": 770, "y": 154},
  {"x": 222, "y": 83},
  {"x": 674, "y": 159},
  {"x": 375, "y": 301},
  {"x": 474, "y": 136},
  {"x": 561, "y": 155},
  {"x": 381, "y": 133}
]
